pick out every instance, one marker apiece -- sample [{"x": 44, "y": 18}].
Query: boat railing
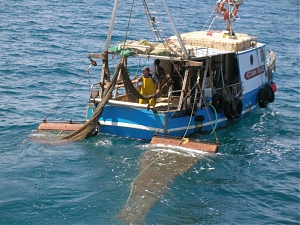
[
  {"x": 94, "y": 90},
  {"x": 94, "y": 93},
  {"x": 235, "y": 89},
  {"x": 232, "y": 89},
  {"x": 171, "y": 96}
]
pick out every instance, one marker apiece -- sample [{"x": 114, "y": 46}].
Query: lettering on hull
[{"x": 255, "y": 72}]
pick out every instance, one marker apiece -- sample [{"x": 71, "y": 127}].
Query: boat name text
[{"x": 255, "y": 72}]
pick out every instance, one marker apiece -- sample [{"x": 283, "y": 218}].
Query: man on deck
[
  {"x": 157, "y": 70},
  {"x": 150, "y": 85}
]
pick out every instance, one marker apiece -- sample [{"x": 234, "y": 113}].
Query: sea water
[{"x": 253, "y": 179}]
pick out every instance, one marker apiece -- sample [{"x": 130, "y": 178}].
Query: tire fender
[
  {"x": 262, "y": 98},
  {"x": 230, "y": 110},
  {"x": 239, "y": 107}
]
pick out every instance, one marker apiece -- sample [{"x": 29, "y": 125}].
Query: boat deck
[{"x": 162, "y": 103}]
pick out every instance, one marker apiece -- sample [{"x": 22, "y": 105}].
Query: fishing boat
[{"x": 210, "y": 79}]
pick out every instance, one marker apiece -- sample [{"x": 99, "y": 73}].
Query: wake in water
[
  {"x": 48, "y": 138},
  {"x": 159, "y": 168}
]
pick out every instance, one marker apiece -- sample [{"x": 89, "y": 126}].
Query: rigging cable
[
  {"x": 216, "y": 115},
  {"x": 127, "y": 28},
  {"x": 92, "y": 123},
  {"x": 87, "y": 72}
]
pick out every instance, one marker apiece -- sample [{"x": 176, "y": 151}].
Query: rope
[
  {"x": 261, "y": 76},
  {"x": 88, "y": 127},
  {"x": 127, "y": 28},
  {"x": 214, "y": 128},
  {"x": 87, "y": 72},
  {"x": 208, "y": 20},
  {"x": 197, "y": 85},
  {"x": 194, "y": 102}
]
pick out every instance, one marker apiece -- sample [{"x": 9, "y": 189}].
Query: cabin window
[{"x": 251, "y": 59}]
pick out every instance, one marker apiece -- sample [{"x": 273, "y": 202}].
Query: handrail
[
  {"x": 235, "y": 87},
  {"x": 170, "y": 95}
]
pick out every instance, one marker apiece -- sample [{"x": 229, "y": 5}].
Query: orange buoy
[{"x": 223, "y": 11}]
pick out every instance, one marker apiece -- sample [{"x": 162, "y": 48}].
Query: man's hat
[{"x": 146, "y": 68}]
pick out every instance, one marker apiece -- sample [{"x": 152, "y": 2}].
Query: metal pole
[
  {"x": 111, "y": 26},
  {"x": 175, "y": 30}
]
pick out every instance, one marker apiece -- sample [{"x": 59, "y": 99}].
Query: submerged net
[{"x": 159, "y": 168}]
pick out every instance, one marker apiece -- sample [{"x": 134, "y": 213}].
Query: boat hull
[{"x": 142, "y": 123}]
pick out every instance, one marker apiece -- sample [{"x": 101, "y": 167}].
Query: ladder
[{"x": 154, "y": 21}]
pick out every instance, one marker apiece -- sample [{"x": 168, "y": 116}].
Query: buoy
[{"x": 273, "y": 85}]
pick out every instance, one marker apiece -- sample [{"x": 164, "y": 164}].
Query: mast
[
  {"x": 111, "y": 25},
  {"x": 176, "y": 31}
]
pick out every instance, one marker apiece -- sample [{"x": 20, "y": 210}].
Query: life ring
[
  {"x": 262, "y": 98},
  {"x": 225, "y": 13},
  {"x": 218, "y": 102},
  {"x": 235, "y": 11},
  {"x": 270, "y": 93},
  {"x": 238, "y": 107},
  {"x": 230, "y": 110},
  {"x": 221, "y": 7}
]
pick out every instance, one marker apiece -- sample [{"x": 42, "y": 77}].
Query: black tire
[
  {"x": 238, "y": 106},
  {"x": 218, "y": 102},
  {"x": 270, "y": 93},
  {"x": 262, "y": 98},
  {"x": 230, "y": 110},
  {"x": 95, "y": 130}
]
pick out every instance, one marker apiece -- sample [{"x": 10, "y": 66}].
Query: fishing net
[
  {"x": 87, "y": 129},
  {"x": 159, "y": 168}
]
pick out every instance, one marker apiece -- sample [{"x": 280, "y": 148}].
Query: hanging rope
[
  {"x": 90, "y": 125},
  {"x": 261, "y": 76},
  {"x": 127, "y": 28},
  {"x": 213, "y": 128},
  {"x": 197, "y": 85}
]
